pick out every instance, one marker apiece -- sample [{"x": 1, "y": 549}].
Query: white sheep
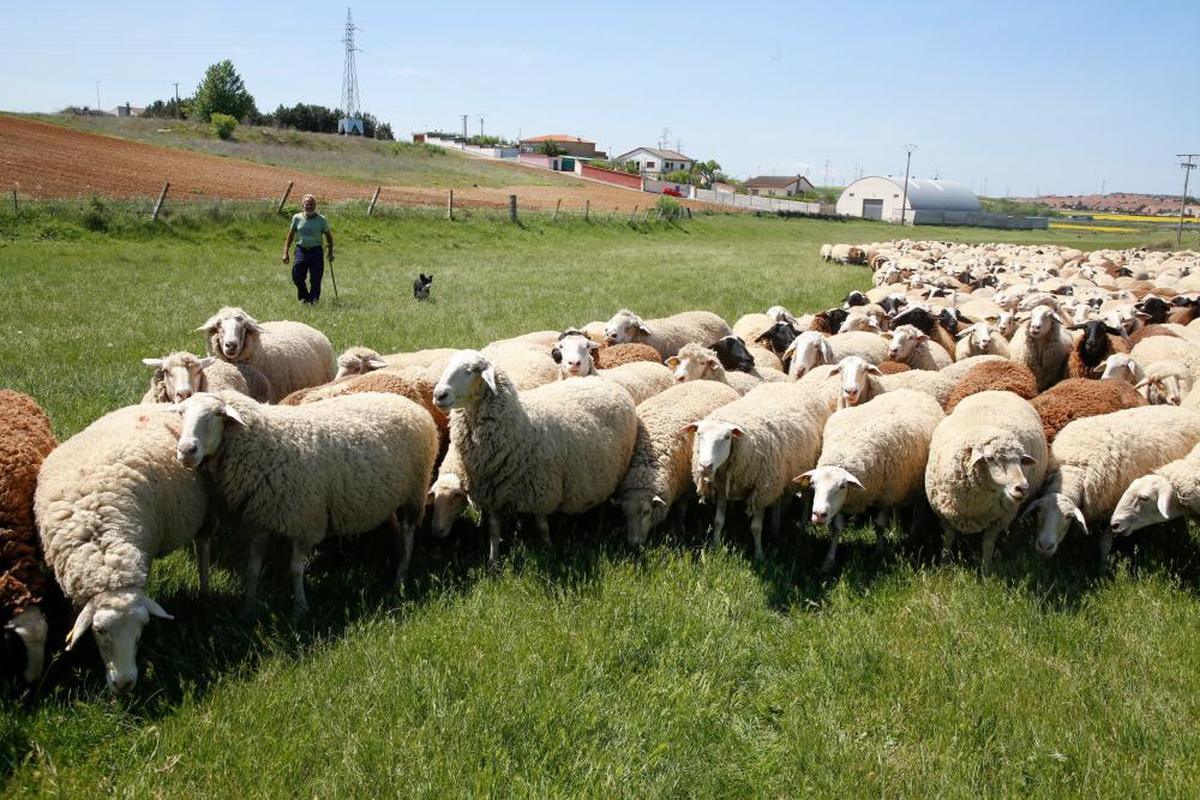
[
  {"x": 642, "y": 379},
  {"x": 861, "y": 382},
  {"x": 909, "y": 345},
  {"x": 807, "y": 351},
  {"x": 449, "y": 495},
  {"x": 1120, "y": 366},
  {"x": 980, "y": 339},
  {"x": 696, "y": 362},
  {"x": 751, "y": 449},
  {"x": 340, "y": 467},
  {"x": 1165, "y": 383},
  {"x": 659, "y": 474},
  {"x": 291, "y": 354},
  {"x": 526, "y": 366},
  {"x": 1043, "y": 344},
  {"x": 668, "y": 334},
  {"x": 985, "y": 458},
  {"x": 1093, "y": 461},
  {"x": 562, "y": 447},
  {"x": 872, "y": 459},
  {"x": 1167, "y": 348},
  {"x": 110, "y": 500},
  {"x": 870, "y": 347},
  {"x": 178, "y": 376},
  {"x": 1170, "y": 492},
  {"x": 358, "y": 360}
]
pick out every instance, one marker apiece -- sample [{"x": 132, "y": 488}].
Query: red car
[{"x": 672, "y": 191}]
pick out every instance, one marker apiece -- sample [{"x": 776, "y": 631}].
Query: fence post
[
  {"x": 158, "y": 205},
  {"x": 16, "y": 208},
  {"x": 450, "y": 206},
  {"x": 633, "y": 213},
  {"x": 587, "y": 207},
  {"x": 689, "y": 210},
  {"x": 512, "y": 208},
  {"x": 557, "y": 206},
  {"x": 282, "y": 200},
  {"x": 374, "y": 199}
]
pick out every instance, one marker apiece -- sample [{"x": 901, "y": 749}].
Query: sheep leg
[
  {"x": 777, "y": 516},
  {"x": 258, "y": 546},
  {"x": 298, "y": 564},
  {"x": 948, "y": 537},
  {"x": 756, "y": 526},
  {"x": 204, "y": 550},
  {"x": 405, "y": 535},
  {"x": 718, "y": 523},
  {"x": 542, "y": 521},
  {"x": 835, "y": 534},
  {"x": 881, "y": 519},
  {"x": 493, "y": 537},
  {"x": 989, "y": 548},
  {"x": 679, "y": 517}
]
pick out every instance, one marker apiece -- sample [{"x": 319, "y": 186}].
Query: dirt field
[{"x": 47, "y": 161}]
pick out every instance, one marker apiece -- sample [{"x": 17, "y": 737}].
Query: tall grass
[{"x": 581, "y": 670}]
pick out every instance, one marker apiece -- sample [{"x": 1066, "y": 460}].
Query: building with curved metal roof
[{"x": 881, "y": 198}]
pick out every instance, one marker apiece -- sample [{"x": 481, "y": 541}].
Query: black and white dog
[{"x": 421, "y": 286}]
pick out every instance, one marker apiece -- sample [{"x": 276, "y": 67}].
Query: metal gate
[{"x": 872, "y": 209}]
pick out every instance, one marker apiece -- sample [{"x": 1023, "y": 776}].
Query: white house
[
  {"x": 778, "y": 185},
  {"x": 654, "y": 163}
]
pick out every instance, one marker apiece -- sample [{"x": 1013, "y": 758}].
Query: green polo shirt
[{"x": 309, "y": 229}]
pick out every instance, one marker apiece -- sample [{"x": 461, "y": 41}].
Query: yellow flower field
[
  {"x": 1073, "y": 226},
  {"x": 1142, "y": 218}
]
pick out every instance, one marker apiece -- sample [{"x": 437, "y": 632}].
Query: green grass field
[
  {"x": 373, "y": 162},
  {"x": 582, "y": 671}
]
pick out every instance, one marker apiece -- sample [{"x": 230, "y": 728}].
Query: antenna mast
[{"x": 352, "y": 123}]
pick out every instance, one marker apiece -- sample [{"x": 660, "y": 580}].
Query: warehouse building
[{"x": 927, "y": 202}]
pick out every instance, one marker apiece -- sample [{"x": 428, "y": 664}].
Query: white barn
[{"x": 928, "y": 201}]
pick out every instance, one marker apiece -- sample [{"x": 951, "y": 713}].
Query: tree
[
  {"x": 169, "y": 108},
  {"x": 551, "y": 149},
  {"x": 707, "y": 170},
  {"x": 222, "y": 91}
]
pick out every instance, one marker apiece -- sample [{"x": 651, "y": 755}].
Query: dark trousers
[{"x": 310, "y": 262}]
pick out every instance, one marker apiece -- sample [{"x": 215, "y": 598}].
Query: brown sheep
[
  {"x": 1076, "y": 398},
  {"x": 1002, "y": 376},
  {"x": 25, "y": 440},
  {"x": 617, "y": 354},
  {"x": 1146, "y": 331},
  {"x": 892, "y": 367},
  {"x": 1095, "y": 342}
]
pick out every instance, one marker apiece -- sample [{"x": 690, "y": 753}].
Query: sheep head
[
  {"x": 203, "y": 426},
  {"x": 1054, "y": 512},
  {"x": 466, "y": 377},
  {"x": 116, "y": 619},
  {"x": 232, "y": 333},
  {"x": 181, "y": 375},
  {"x": 626, "y": 326},
  {"x": 696, "y": 363},
  {"x": 855, "y": 373},
  {"x": 1149, "y": 500},
  {"x": 574, "y": 354},
  {"x": 830, "y": 486}
]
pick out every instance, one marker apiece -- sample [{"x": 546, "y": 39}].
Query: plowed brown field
[{"x": 47, "y": 161}]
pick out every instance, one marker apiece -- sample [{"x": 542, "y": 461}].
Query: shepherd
[{"x": 309, "y": 263}]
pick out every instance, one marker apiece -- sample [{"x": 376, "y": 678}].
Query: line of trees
[{"x": 222, "y": 91}]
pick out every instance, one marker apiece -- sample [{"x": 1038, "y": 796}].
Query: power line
[
  {"x": 1188, "y": 165},
  {"x": 352, "y": 123}
]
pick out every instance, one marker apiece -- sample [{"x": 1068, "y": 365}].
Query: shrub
[
  {"x": 95, "y": 216},
  {"x": 668, "y": 207},
  {"x": 223, "y": 125}
]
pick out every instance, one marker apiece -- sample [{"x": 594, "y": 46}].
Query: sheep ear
[
  {"x": 556, "y": 354},
  {"x": 644, "y": 331},
  {"x": 153, "y": 362},
  {"x": 736, "y": 432},
  {"x": 672, "y": 362},
  {"x": 804, "y": 478},
  {"x": 964, "y": 332},
  {"x": 1079, "y": 518},
  {"x": 155, "y": 609},
  {"x": 1166, "y": 502},
  {"x": 837, "y": 370},
  {"x": 1027, "y": 460},
  {"x": 690, "y": 427},
  {"x": 207, "y": 362},
  {"x": 658, "y": 501},
  {"x": 976, "y": 456},
  {"x": 922, "y": 338},
  {"x": 1142, "y": 315},
  {"x": 593, "y": 346},
  {"x": 874, "y": 370},
  {"x": 886, "y": 335},
  {"x": 853, "y": 481},
  {"x": 209, "y": 325},
  {"x": 489, "y": 377},
  {"x": 82, "y": 623},
  {"x": 376, "y": 363},
  {"x": 790, "y": 349},
  {"x": 1142, "y": 384},
  {"x": 232, "y": 413}
]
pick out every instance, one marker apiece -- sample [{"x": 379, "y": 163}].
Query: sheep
[
  {"x": 929, "y": 324},
  {"x": 1165, "y": 383},
  {"x": 1167, "y": 348},
  {"x": 357, "y": 361},
  {"x": 699, "y": 363},
  {"x": 764, "y": 357},
  {"x": 291, "y": 354},
  {"x": 617, "y": 354},
  {"x": 415, "y": 383},
  {"x": 562, "y": 447},
  {"x": 1096, "y": 342},
  {"x": 985, "y": 458},
  {"x": 340, "y": 467},
  {"x": 668, "y": 334},
  {"x": 1167, "y": 493},
  {"x": 751, "y": 448},
  {"x": 178, "y": 376},
  {"x": 980, "y": 339},
  {"x": 880, "y": 452},
  {"x": 732, "y": 352},
  {"x": 871, "y": 347},
  {"x": 1094, "y": 461},
  {"x": 828, "y": 321},
  {"x": 659, "y": 474},
  {"x": 1042, "y": 344},
  {"x": 1120, "y": 366},
  {"x": 910, "y": 346},
  {"x": 110, "y": 500},
  {"x": 449, "y": 495},
  {"x": 808, "y": 350},
  {"x": 361, "y": 360},
  {"x": 525, "y": 366},
  {"x": 1076, "y": 398},
  {"x": 642, "y": 379},
  {"x": 862, "y": 382},
  {"x": 750, "y": 326},
  {"x": 1004, "y": 376},
  {"x": 25, "y": 440},
  {"x": 863, "y": 319}
]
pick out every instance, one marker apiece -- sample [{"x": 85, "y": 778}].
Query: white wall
[{"x": 850, "y": 203}]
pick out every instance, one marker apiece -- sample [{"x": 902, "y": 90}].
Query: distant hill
[{"x": 1119, "y": 203}]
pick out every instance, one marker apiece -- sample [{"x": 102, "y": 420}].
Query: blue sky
[{"x": 1058, "y": 97}]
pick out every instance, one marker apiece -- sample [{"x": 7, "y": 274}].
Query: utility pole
[
  {"x": 178, "y": 110},
  {"x": 1188, "y": 165},
  {"x": 463, "y": 146},
  {"x": 481, "y": 126},
  {"x": 97, "y": 95},
  {"x": 908, "y": 148},
  {"x": 827, "y": 172}
]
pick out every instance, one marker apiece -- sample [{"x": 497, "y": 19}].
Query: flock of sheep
[{"x": 978, "y": 383}]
